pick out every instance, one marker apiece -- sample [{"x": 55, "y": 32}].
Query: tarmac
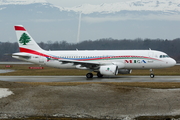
[{"x": 95, "y": 79}]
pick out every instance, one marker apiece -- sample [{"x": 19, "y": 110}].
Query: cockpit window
[{"x": 164, "y": 56}]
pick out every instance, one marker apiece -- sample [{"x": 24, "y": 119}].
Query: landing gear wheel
[
  {"x": 152, "y": 75},
  {"x": 99, "y": 75},
  {"x": 89, "y": 75}
]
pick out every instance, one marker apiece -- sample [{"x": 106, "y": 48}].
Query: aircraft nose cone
[{"x": 172, "y": 62}]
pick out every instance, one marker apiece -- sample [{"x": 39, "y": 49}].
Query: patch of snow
[
  {"x": 4, "y": 92},
  {"x": 5, "y": 71},
  {"x": 135, "y": 5},
  {"x": 21, "y": 2}
]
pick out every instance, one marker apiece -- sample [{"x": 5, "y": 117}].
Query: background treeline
[{"x": 171, "y": 47}]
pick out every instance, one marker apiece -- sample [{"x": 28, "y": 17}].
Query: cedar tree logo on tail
[{"x": 24, "y": 39}]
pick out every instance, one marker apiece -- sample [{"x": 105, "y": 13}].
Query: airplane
[{"x": 103, "y": 62}]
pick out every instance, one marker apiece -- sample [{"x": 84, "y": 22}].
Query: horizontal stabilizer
[{"x": 20, "y": 54}]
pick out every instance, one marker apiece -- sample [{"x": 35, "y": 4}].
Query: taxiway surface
[{"x": 84, "y": 79}]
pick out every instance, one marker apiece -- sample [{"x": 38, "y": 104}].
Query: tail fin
[{"x": 25, "y": 41}]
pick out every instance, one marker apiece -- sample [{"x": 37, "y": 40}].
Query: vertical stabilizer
[{"x": 25, "y": 41}]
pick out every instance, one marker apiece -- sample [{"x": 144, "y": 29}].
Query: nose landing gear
[{"x": 151, "y": 75}]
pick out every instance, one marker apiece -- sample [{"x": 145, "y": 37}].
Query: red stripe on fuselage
[
  {"x": 34, "y": 52},
  {"x": 101, "y": 58},
  {"x": 19, "y": 28}
]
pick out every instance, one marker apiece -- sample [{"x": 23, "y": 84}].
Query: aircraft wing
[
  {"x": 87, "y": 64},
  {"x": 91, "y": 64}
]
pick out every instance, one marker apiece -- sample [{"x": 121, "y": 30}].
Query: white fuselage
[{"x": 132, "y": 59}]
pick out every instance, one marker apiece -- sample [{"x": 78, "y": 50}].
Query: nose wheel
[{"x": 152, "y": 74}]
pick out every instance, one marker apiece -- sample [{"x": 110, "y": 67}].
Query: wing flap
[{"x": 87, "y": 64}]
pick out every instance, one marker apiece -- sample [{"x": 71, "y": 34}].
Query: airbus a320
[{"x": 103, "y": 62}]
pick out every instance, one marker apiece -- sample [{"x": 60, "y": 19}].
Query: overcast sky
[{"x": 71, "y": 3}]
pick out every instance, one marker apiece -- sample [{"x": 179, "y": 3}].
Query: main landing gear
[
  {"x": 99, "y": 75},
  {"x": 151, "y": 75},
  {"x": 90, "y": 75}
]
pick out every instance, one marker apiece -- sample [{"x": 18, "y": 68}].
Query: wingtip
[{"x": 19, "y": 28}]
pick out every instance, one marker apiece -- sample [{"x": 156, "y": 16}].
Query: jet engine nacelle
[
  {"x": 109, "y": 70},
  {"x": 124, "y": 71}
]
